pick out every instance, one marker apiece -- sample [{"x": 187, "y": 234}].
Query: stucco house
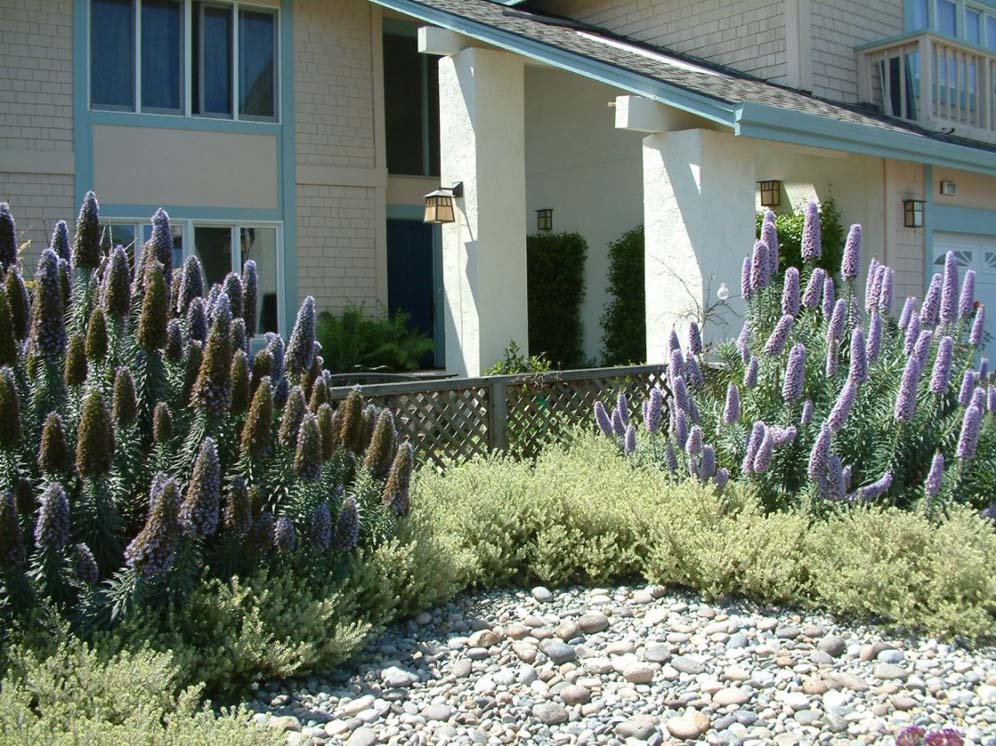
[{"x": 305, "y": 133}]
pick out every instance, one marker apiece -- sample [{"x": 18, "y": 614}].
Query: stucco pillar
[
  {"x": 698, "y": 202},
  {"x": 482, "y": 139}
]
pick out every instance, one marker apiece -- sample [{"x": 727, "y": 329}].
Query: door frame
[{"x": 416, "y": 213}]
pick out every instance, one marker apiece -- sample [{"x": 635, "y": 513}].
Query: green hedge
[
  {"x": 624, "y": 324},
  {"x": 555, "y": 276}
]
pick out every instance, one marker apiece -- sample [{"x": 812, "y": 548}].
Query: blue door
[{"x": 411, "y": 273}]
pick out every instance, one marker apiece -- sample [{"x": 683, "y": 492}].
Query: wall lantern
[
  {"x": 771, "y": 193},
  {"x": 439, "y": 204},
  {"x": 913, "y": 213},
  {"x": 544, "y": 220},
  {"x": 949, "y": 188}
]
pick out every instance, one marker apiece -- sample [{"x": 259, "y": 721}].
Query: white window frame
[
  {"x": 186, "y": 84},
  {"x": 187, "y": 226}
]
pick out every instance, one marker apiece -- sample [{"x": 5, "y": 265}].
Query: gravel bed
[{"x": 634, "y": 665}]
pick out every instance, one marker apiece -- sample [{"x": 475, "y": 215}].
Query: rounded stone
[
  {"x": 575, "y": 695},
  {"x": 593, "y": 622},
  {"x": 438, "y": 712},
  {"x": 832, "y": 645},
  {"x": 640, "y": 727},
  {"x": 557, "y": 651},
  {"x": 542, "y": 594},
  {"x": 639, "y": 673},
  {"x": 732, "y": 696},
  {"x": 550, "y": 713},
  {"x": 685, "y": 727}
]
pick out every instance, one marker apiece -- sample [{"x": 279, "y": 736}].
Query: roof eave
[
  {"x": 715, "y": 110},
  {"x": 784, "y": 125}
]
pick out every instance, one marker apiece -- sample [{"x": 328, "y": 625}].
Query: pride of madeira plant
[
  {"x": 143, "y": 446},
  {"x": 826, "y": 397}
]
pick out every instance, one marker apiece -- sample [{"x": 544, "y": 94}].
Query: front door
[
  {"x": 411, "y": 273},
  {"x": 978, "y": 253}
]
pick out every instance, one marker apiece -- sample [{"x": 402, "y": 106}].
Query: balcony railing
[{"x": 937, "y": 82}]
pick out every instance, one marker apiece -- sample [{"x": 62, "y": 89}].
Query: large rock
[
  {"x": 641, "y": 727},
  {"x": 549, "y": 713},
  {"x": 557, "y": 651},
  {"x": 732, "y": 696},
  {"x": 688, "y": 726},
  {"x": 832, "y": 645},
  {"x": 541, "y": 594},
  {"x": 640, "y": 673},
  {"x": 397, "y": 678},
  {"x": 688, "y": 665},
  {"x": 593, "y": 622}
]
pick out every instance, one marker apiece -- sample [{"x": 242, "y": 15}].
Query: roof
[{"x": 751, "y": 106}]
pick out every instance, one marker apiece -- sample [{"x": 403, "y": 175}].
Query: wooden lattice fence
[{"x": 452, "y": 420}]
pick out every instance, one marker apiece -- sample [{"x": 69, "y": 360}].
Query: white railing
[{"x": 939, "y": 83}]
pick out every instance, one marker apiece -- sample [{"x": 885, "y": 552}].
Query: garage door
[{"x": 978, "y": 253}]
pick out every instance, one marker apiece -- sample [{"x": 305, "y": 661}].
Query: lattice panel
[
  {"x": 542, "y": 408},
  {"x": 450, "y": 425}
]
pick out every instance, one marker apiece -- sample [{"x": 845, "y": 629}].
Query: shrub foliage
[
  {"x": 171, "y": 455},
  {"x": 825, "y": 400},
  {"x": 555, "y": 275},
  {"x": 624, "y": 324},
  {"x": 790, "y": 228},
  {"x": 358, "y": 339}
]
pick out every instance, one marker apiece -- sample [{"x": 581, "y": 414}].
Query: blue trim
[
  {"x": 178, "y": 122},
  {"x": 288, "y": 162},
  {"x": 948, "y": 219},
  {"x": 82, "y": 144},
  {"x": 928, "y": 225},
  {"x": 713, "y": 109},
  {"x": 190, "y": 212},
  {"x": 774, "y": 123}
]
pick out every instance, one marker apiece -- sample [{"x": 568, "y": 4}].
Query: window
[
  {"x": 991, "y": 32},
  {"x": 139, "y": 59},
  {"x": 222, "y": 248},
  {"x": 947, "y": 17},
  {"x": 920, "y": 17},
  {"x": 411, "y": 104},
  {"x": 973, "y": 31}
]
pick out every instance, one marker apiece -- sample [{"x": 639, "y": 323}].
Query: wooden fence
[{"x": 455, "y": 419}]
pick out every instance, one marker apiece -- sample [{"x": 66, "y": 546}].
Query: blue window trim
[
  {"x": 416, "y": 213},
  {"x": 85, "y": 119}
]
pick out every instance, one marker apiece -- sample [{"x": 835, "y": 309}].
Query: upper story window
[
  {"x": 187, "y": 57},
  {"x": 411, "y": 103},
  {"x": 971, "y": 22}
]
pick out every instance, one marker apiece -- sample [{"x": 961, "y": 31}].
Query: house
[{"x": 305, "y": 133}]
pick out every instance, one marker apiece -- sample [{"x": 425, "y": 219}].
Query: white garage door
[{"x": 978, "y": 253}]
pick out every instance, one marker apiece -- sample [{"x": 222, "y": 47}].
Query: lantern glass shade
[
  {"x": 771, "y": 193},
  {"x": 913, "y": 213},
  {"x": 544, "y": 220},
  {"x": 439, "y": 207}
]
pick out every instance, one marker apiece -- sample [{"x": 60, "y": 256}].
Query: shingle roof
[{"x": 723, "y": 85}]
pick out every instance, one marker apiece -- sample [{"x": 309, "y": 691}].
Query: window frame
[
  {"x": 405, "y": 29},
  {"x": 187, "y": 57},
  {"x": 187, "y": 228}
]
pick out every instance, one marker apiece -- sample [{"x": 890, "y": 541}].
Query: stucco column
[
  {"x": 482, "y": 139},
  {"x": 698, "y": 202}
]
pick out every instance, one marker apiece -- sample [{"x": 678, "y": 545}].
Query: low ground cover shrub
[
  {"x": 358, "y": 339},
  {"x": 581, "y": 513},
  {"x": 827, "y": 397}
]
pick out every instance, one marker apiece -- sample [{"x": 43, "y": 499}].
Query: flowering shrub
[
  {"x": 826, "y": 396},
  {"x": 914, "y": 735},
  {"x": 145, "y": 446}
]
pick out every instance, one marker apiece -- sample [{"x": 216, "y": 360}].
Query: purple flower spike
[
  {"x": 745, "y": 278},
  {"x": 978, "y": 327},
  {"x": 819, "y": 456},
  {"x": 750, "y": 374},
  {"x": 949, "y": 292},
  {"x": 695, "y": 377},
  {"x": 759, "y": 267},
  {"x": 922, "y": 348},
  {"x": 681, "y": 429},
  {"x": 876, "y": 489},
  {"x": 655, "y": 411},
  {"x": 707, "y": 467},
  {"x": 694, "y": 444},
  {"x": 811, "y": 298},
  {"x": 781, "y": 437},
  {"x": 811, "y": 235},
  {"x": 769, "y": 234},
  {"x": 906, "y": 397},
  {"x": 776, "y": 342},
  {"x": 983, "y": 369},
  {"x": 680, "y": 392},
  {"x": 790, "y": 292},
  {"x": 675, "y": 366},
  {"x": 743, "y": 342},
  {"x": 979, "y": 398},
  {"x": 941, "y": 376},
  {"x": 932, "y": 485},
  {"x": 671, "y": 458},
  {"x": 874, "y": 346},
  {"x": 52, "y": 527},
  {"x": 807, "y": 412},
  {"x": 828, "y": 298},
  {"x": 722, "y": 478},
  {"x": 284, "y": 535},
  {"x": 629, "y": 443},
  {"x": 991, "y": 399},
  {"x": 968, "y": 440},
  {"x": 885, "y": 292},
  {"x": 794, "y": 373},
  {"x": 874, "y": 288},
  {"x": 871, "y": 289},
  {"x": 765, "y": 451},
  {"x": 835, "y": 329},
  {"x": 603, "y": 420},
  {"x": 931, "y": 308},
  {"x": 842, "y": 407},
  {"x": 909, "y": 309},
  {"x": 673, "y": 343},
  {"x": 850, "y": 266},
  {"x": 618, "y": 426},
  {"x": 622, "y": 404},
  {"x": 757, "y": 434},
  {"x": 966, "y": 301},
  {"x": 836, "y": 486},
  {"x": 859, "y": 360},
  {"x": 912, "y": 335},
  {"x": 967, "y": 387},
  {"x": 694, "y": 338},
  {"x": 830, "y": 367},
  {"x": 731, "y": 411}
]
